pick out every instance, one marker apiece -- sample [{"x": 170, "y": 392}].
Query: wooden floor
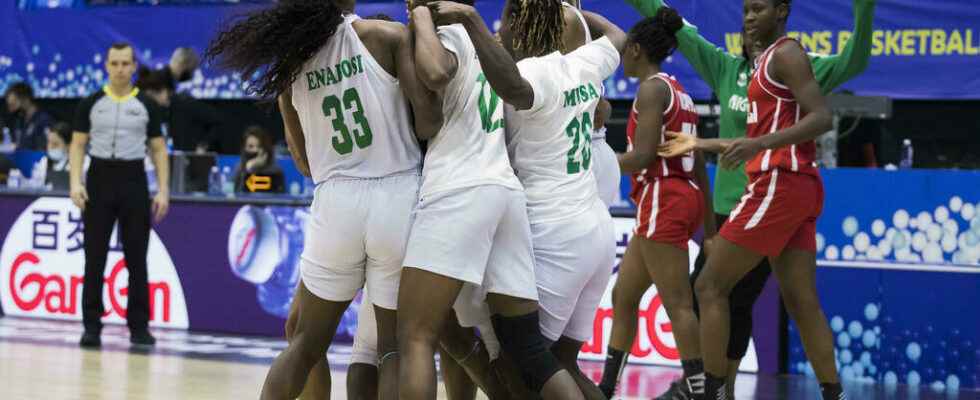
[{"x": 41, "y": 360}]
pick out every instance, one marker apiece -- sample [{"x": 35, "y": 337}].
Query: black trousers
[
  {"x": 117, "y": 192},
  {"x": 740, "y": 302}
]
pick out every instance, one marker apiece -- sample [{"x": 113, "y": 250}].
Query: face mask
[{"x": 56, "y": 154}]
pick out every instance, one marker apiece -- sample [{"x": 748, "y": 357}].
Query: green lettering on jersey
[
  {"x": 570, "y": 99},
  {"x": 580, "y": 95},
  {"x": 345, "y": 69},
  {"x": 592, "y": 92},
  {"x": 310, "y": 81},
  {"x": 331, "y": 78},
  {"x": 488, "y": 104}
]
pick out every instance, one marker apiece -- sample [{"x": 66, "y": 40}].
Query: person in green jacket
[{"x": 728, "y": 76}]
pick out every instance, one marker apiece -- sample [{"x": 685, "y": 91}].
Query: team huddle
[{"x": 495, "y": 250}]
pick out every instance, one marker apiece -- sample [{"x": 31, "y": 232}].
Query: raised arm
[
  {"x": 853, "y": 59},
  {"x": 707, "y": 59},
  {"x": 498, "y": 66},
  {"x": 435, "y": 65},
  {"x": 791, "y": 66},
  {"x": 600, "y": 26},
  {"x": 651, "y": 101},
  {"x": 426, "y": 105},
  {"x": 295, "y": 141}
]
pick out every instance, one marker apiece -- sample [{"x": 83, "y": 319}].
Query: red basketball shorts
[
  {"x": 778, "y": 211},
  {"x": 669, "y": 211}
]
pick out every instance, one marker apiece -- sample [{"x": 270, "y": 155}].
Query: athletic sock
[
  {"x": 832, "y": 391},
  {"x": 694, "y": 375},
  {"x": 714, "y": 387},
  {"x": 615, "y": 363}
]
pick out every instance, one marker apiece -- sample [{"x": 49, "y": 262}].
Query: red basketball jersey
[
  {"x": 680, "y": 116},
  {"x": 772, "y": 108}
]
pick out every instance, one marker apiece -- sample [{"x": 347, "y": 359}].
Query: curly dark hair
[
  {"x": 537, "y": 26},
  {"x": 269, "y": 47},
  {"x": 657, "y": 35}
]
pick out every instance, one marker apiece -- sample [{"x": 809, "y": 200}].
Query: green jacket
[{"x": 728, "y": 75}]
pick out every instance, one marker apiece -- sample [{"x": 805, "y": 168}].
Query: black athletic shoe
[
  {"x": 677, "y": 391},
  {"x": 715, "y": 388},
  {"x": 143, "y": 338},
  {"x": 686, "y": 388},
  {"x": 90, "y": 340}
]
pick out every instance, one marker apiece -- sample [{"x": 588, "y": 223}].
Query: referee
[{"x": 116, "y": 123}]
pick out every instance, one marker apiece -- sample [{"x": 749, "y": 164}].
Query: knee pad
[{"x": 521, "y": 337}]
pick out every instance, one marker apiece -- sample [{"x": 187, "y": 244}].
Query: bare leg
[
  {"x": 362, "y": 382},
  {"x": 318, "y": 382},
  {"x": 632, "y": 282},
  {"x": 315, "y": 327},
  {"x": 461, "y": 348},
  {"x": 732, "y": 374},
  {"x": 727, "y": 263},
  {"x": 668, "y": 267},
  {"x": 567, "y": 349},
  {"x": 387, "y": 353},
  {"x": 561, "y": 385},
  {"x": 506, "y": 371},
  {"x": 458, "y": 383},
  {"x": 796, "y": 270},
  {"x": 421, "y": 314}
]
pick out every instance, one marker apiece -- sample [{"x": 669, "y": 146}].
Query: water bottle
[
  {"x": 214, "y": 181},
  {"x": 227, "y": 181},
  {"x": 906, "y": 161},
  {"x": 14, "y": 178}
]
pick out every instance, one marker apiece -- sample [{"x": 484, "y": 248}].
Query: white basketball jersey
[
  {"x": 469, "y": 149},
  {"x": 550, "y": 144},
  {"x": 355, "y": 118}
]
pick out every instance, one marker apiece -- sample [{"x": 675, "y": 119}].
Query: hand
[
  {"x": 419, "y": 12},
  {"x": 677, "y": 144},
  {"x": 740, "y": 151},
  {"x": 256, "y": 162},
  {"x": 79, "y": 196},
  {"x": 161, "y": 204},
  {"x": 449, "y": 12}
]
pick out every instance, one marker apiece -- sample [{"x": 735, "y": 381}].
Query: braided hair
[
  {"x": 538, "y": 26},
  {"x": 269, "y": 47},
  {"x": 656, "y": 35}
]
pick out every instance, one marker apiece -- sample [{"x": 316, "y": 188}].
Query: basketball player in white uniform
[
  {"x": 551, "y": 98},
  {"x": 605, "y": 167},
  {"x": 471, "y": 224},
  {"x": 347, "y": 121}
]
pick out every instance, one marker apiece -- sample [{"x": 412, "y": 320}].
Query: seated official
[
  {"x": 258, "y": 170},
  {"x": 52, "y": 169}
]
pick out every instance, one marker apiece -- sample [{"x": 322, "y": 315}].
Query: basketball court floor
[{"x": 40, "y": 359}]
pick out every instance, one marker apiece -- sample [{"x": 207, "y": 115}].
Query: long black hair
[
  {"x": 656, "y": 35},
  {"x": 269, "y": 47}
]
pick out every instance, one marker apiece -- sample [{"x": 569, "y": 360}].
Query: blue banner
[
  {"x": 900, "y": 266},
  {"x": 920, "y": 50}
]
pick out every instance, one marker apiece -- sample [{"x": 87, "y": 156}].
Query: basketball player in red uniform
[
  {"x": 777, "y": 216},
  {"x": 670, "y": 203}
]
